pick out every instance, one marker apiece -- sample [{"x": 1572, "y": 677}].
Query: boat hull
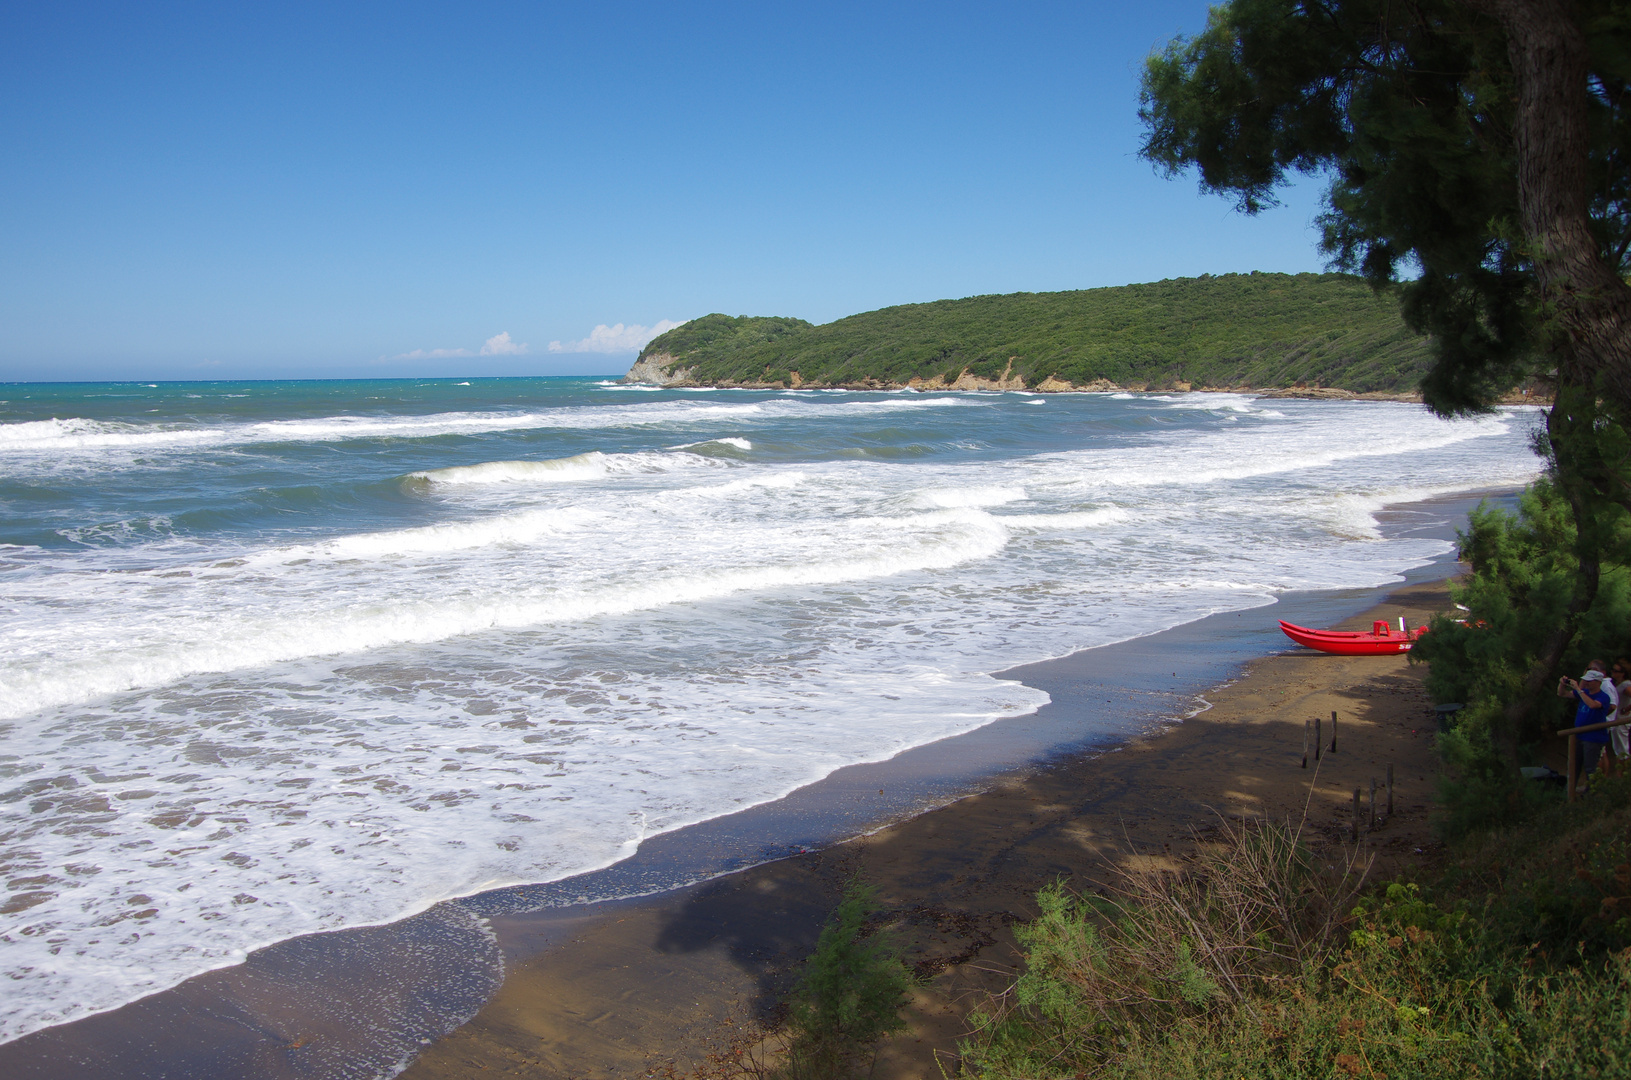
[{"x": 1376, "y": 642}]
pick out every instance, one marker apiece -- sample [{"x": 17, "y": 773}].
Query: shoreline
[
  {"x": 274, "y": 1015},
  {"x": 656, "y": 371},
  {"x": 674, "y": 984}
]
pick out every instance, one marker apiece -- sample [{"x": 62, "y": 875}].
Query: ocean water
[{"x": 285, "y": 657}]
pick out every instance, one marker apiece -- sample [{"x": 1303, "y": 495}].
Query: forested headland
[{"x": 1232, "y": 331}]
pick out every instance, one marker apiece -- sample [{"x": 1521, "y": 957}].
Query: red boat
[{"x": 1379, "y": 640}]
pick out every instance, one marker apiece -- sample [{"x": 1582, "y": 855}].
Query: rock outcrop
[{"x": 657, "y": 369}]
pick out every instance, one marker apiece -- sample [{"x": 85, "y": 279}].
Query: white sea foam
[
  {"x": 221, "y": 739},
  {"x": 511, "y": 530},
  {"x": 982, "y": 495},
  {"x": 762, "y": 482},
  {"x": 1080, "y": 519},
  {"x": 1213, "y": 401},
  {"x": 75, "y": 435},
  {"x": 767, "y": 557},
  {"x": 558, "y": 471},
  {"x": 1208, "y": 461}
]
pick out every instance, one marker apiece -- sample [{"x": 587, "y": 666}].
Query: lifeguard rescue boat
[{"x": 1379, "y": 640}]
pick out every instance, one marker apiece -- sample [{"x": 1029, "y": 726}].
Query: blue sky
[{"x": 356, "y": 189}]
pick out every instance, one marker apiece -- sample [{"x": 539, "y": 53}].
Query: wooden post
[
  {"x": 1390, "y": 790},
  {"x": 1317, "y": 738},
  {"x": 1307, "y": 727},
  {"x": 1355, "y": 830},
  {"x": 1333, "y": 731},
  {"x": 1373, "y": 804},
  {"x": 1571, "y": 766}
]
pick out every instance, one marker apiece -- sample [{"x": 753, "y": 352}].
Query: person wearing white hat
[{"x": 1592, "y": 708}]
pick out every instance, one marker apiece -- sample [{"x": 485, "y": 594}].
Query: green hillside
[{"x": 1237, "y": 330}]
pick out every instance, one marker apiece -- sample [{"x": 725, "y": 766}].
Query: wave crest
[{"x": 590, "y": 466}]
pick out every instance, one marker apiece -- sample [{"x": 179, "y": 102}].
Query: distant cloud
[
  {"x": 615, "y": 339},
  {"x": 501, "y": 345},
  {"x": 497, "y": 345},
  {"x": 431, "y": 354}
]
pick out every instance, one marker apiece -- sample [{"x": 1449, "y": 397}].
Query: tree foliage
[
  {"x": 1477, "y": 156},
  {"x": 1410, "y": 107},
  {"x": 1524, "y": 568}
]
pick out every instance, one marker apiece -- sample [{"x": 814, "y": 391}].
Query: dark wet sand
[{"x": 665, "y": 984}]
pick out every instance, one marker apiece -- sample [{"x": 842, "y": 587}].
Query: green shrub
[
  {"x": 1514, "y": 962},
  {"x": 1165, "y": 950},
  {"x": 1523, "y": 576},
  {"x": 849, "y": 995},
  {"x": 1417, "y": 992}
]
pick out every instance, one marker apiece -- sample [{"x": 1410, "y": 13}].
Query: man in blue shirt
[{"x": 1592, "y": 707}]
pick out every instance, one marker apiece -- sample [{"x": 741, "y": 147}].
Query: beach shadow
[
  {"x": 1367, "y": 692},
  {"x": 765, "y": 923}
]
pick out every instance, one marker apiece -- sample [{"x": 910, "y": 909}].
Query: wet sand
[{"x": 666, "y": 985}]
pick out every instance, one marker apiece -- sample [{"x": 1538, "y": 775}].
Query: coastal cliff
[
  {"x": 1324, "y": 334},
  {"x": 658, "y": 369}
]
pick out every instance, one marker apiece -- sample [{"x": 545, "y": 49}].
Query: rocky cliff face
[
  {"x": 660, "y": 369},
  {"x": 657, "y": 369}
]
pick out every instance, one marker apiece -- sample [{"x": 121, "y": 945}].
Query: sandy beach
[{"x": 667, "y": 985}]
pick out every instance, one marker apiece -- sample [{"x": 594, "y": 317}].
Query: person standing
[
  {"x": 1611, "y": 687},
  {"x": 1591, "y": 707},
  {"x": 1619, "y": 739}
]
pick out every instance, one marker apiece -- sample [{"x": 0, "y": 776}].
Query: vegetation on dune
[
  {"x": 1235, "y": 330},
  {"x": 1514, "y": 962}
]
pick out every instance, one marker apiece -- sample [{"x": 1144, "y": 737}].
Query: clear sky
[{"x": 404, "y": 189}]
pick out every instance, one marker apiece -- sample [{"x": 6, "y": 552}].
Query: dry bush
[
  {"x": 1252, "y": 911},
  {"x": 1254, "y": 906}
]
